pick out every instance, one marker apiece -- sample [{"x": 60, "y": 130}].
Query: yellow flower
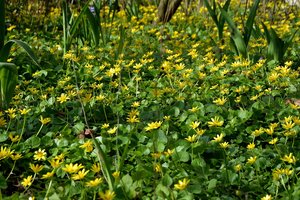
[
  {"x": 116, "y": 174},
  {"x": 200, "y": 131},
  {"x": 27, "y": 181},
  {"x": 16, "y": 156},
  {"x": 104, "y": 126},
  {"x": 63, "y": 98},
  {"x": 182, "y": 184},
  {"x": 25, "y": 111},
  {"x": 273, "y": 141},
  {"x": 40, "y": 155},
  {"x": 157, "y": 167},
  {"x": 192, "y": 138},
  {"x": 55, "y": 163},
  {"x": 220, "y": 101},
  {"x": 288, "y": 125},
  {"x": 48, "y": 175},
  {"x": 169, "y": 152},
  {"x": 215, "y": 122},
  {"x": 5, "y": 152},
  {"x": 11, "y": 28},
  {"x": 45, "y": 121},
  {"x": 71, "y": 168},
  {"x": 96, "y": 167},
  {"x": 218, "y": 138},
  {"x": 153, "y": 125},
  {"x": 14, "y": 138},
  {"x": 135, "y": 104},
  {"x": 267, "y": 197},
  {"x": 257, "y": 132},
  {"x": 36, "y": 168},
  {"x": 11, "y": 112},
  {"x": 251, "y": 160},
  {"x": 224, "y": 145},
  {"x": 194, "y": 109},
  {"x": 2, "y": 122},
  {"x": 289, "y": 158},
  {"x": 133, "y": 119},
  {"x": 238, "y": 167},
  {"x": 195, "y": 124},
  {"x": 87, "y": 146},
  {"x": 94, "y": 183},
  {"x": 108, "y": 195},
  {"x": 80, "y": 175},
  {"x": 112, "y": 130},
  {"x": 269, "y": 131},
  {"x": 251, "y": 146}
]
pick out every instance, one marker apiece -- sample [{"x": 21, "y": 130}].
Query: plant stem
[
  {"x": 50, "y": 184},
  {"x": 39, "y": 130},
  {"x": 12, "y": 169},
  {"x": 23, "y": 128}
]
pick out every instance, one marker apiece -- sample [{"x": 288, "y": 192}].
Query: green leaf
[
  {"x": 94, "y": 26},
  {"x": 244, "y": 114},
  {"x": 3, "y": 184},
  {"x": 236, "y": 35},
  {"x": 79, "y": 127},
  {"x": 47, "y": 141},
  {"x": 4, "y": 53},
  {"x": 212, "y": 184},
  {"x": 54, "y": 197},
  {"x": 8, "y": 82},
  {"x": 162, "y": 191},
  {"x": 127, "y": 180},
  {"x": 250, "y": 21},
  {"x": 182, "y": 156},
  {"x": 211, "y": 11},
  {"x": 167, "y": 180},
  {"x": 33, "y": 141},
  {"x": 3, "y": 136},
  {"x": 195, "y": 189},
  {"x": 2, "y": 23}
]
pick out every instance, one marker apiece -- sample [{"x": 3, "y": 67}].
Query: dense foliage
[{"x": 122, "y": 107}]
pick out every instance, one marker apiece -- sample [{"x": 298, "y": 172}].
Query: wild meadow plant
[{"x": 140, "y": 119}]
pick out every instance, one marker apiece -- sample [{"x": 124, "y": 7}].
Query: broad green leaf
[
  {"x": 8, "y": 82},
  {"x": 244, "y": 114},
  {"x": 2, "y": 23},
  {"x": 79, "y": 127},
  {"x": 250, "y": 21},
  {"x": 167, "y": 180},
  {"x": 33, "y": 141},
  {"x": 127, "y": 180},
  {"x": 3, "y": 136},
  {"x": 212, "y": 184},
  {"x": 4, "y": 53},
  {"x": 3, "y": 184},
  {"x": 94, "y": 26},
  {"x": 211, "y": 11}
]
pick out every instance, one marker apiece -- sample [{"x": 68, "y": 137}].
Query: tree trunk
[{"x": 167, "y": 9}]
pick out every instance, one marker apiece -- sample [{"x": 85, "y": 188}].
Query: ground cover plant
[{"x": 139, "y": 109}]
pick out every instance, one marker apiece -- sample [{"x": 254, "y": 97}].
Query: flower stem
[
  {"x": 50, "y": 184},
  {"x": 12, "y": 169},
  {"x": 39, "y": 130},
  {"x": 23, "y": 128}
]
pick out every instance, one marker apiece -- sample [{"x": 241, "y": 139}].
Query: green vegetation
[{"x": 122, "y": 106}]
